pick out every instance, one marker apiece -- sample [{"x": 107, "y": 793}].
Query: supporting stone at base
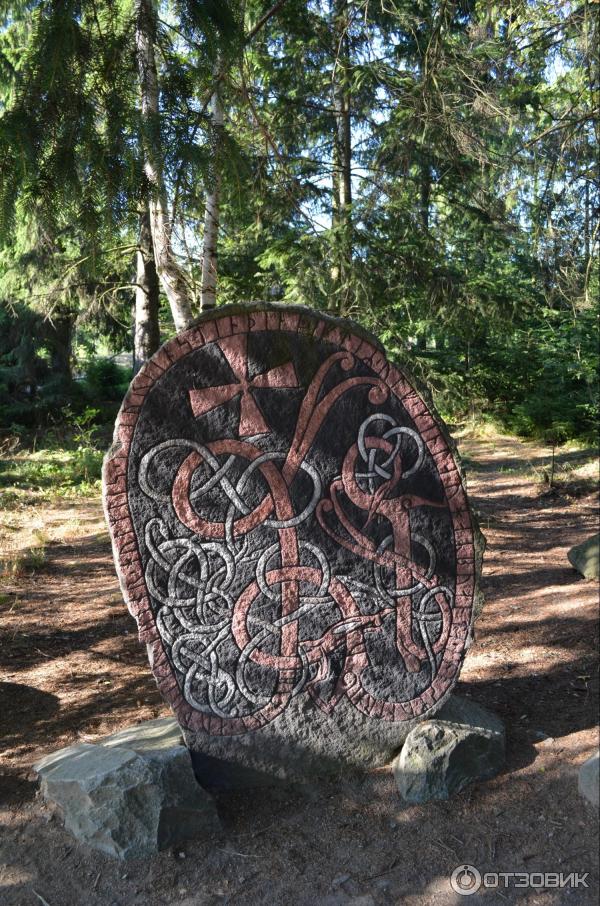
[
  {"x": 131, "y": 794},
  {"x": 461, "y": 744}
]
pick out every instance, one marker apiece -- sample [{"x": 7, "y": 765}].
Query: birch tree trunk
[
  {"x": 208, "y": 298},
  {"x": 146, "y": 334},
  {"x": 425, "y": 193},
  {"x": 342, "y": 162},
  {"x": 171, "y": 276}
]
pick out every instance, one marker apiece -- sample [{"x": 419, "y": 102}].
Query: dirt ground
[{"x": 71, "y": 669}]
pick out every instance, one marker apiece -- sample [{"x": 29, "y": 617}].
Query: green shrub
[{"x": 105, "y": 380}]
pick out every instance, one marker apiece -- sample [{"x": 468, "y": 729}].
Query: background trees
[{"x": 427, "y": 167}]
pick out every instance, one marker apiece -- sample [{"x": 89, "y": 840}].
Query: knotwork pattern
[{"x": 302, "y": 540}]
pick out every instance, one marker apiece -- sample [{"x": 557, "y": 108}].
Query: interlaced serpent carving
[
  {"x": 319, "y": 546},
  {"x": 238, "y": 664}
]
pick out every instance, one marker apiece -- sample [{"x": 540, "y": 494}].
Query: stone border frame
[{"x": 234, "y": 319}]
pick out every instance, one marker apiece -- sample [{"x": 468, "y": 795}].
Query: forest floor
[{"x": 71, "y": 669}]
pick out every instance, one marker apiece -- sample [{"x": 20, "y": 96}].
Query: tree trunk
[
  {"x": 342, "y": 162},
  {"x": 586, "y": 221},
  {"x": 425, "y": 195},
  {"x": 146, "y": 337},
  {"x": 60, "y": 336},
  {"x": 171, "y": 276},
  {"x": 208, "y": 297}
]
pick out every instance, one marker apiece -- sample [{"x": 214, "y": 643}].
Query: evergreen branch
[
  {"x": 219, "y": 77},
  {"x": 273, "y": 145}
]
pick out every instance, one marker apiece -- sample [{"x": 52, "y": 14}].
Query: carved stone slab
[{"x": 292, "y": 536}]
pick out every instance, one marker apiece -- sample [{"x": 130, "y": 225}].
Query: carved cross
[{"x": 282, "y": 377}]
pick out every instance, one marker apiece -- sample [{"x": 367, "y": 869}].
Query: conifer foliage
[{"x": 427, "y": 167}]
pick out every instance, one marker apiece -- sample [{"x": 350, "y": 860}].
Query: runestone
[{"x": 292, "y": 535}]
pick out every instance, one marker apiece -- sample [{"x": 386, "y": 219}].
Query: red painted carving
[{"x": 251, "y": 421}]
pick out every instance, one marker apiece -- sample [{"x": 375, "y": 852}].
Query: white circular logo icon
[{"x": 465, "y": 880}]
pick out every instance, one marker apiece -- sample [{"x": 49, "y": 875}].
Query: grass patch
[
  {"x": 15, "y": 563},
  {"x": 573, "y": 479},
  {"x": 29, "y": 482},
  {"x": 49, "y": 474},
  {"x": 22, "y": 562}
]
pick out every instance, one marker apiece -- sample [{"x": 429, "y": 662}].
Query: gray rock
[
  {"x": 462, "y": 743},
  {"x": 585, "y": 557},
  {"x": 150, "y": 736},
  {"x": 131, "y": 794},
  {"x": 588, "y": 779}
]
